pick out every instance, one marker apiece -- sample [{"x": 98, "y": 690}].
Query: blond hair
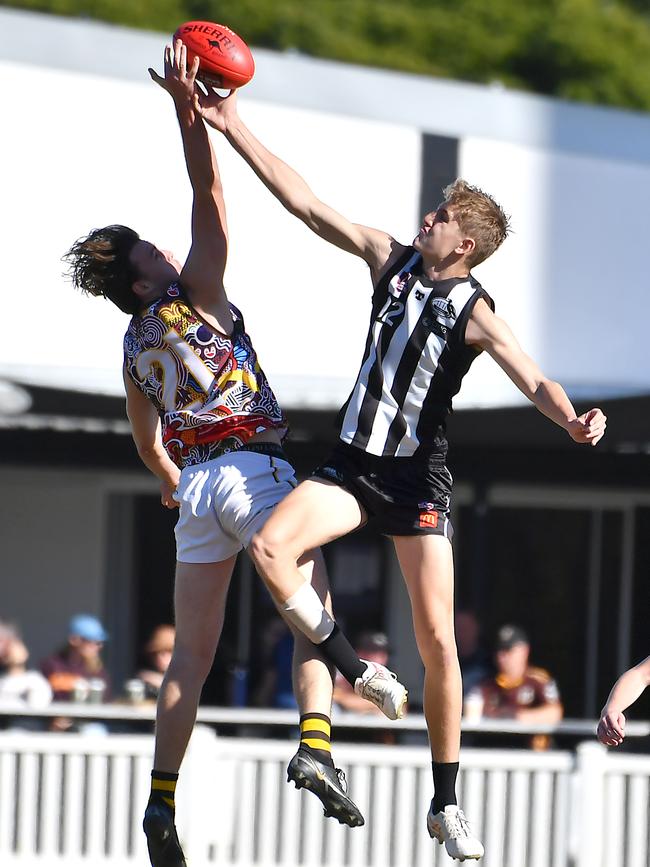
[{"x": 479, "y": 217}]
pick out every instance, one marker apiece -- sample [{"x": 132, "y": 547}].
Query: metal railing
[{"x": 268, "y": 717}]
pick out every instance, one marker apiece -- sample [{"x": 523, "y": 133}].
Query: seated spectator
[
  {"x": 474, "y": 660},
  {"x": 77, "y": 670},
  {"x": 7, "y": 633},
  {"x": 157, "y": 653},
  {"x": 20, "y": 687},
  {"x": 518, "y": 691}
]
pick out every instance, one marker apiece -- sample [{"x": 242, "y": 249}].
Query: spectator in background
[
  {"x": 77, "y": 668},
  {"x": 7, "y": 633},
  {"x": 20, "y": 687},
  {"x": 517, "y": 691},
  {"x": 157, "y": 654},
  {"x": 474, "y": 660}
]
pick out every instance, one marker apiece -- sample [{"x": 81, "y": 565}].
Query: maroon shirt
[{"x": 63, "y": 674}]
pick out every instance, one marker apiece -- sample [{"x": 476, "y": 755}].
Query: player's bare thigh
[
  {"x": 428, "y": 568},
  {"x": 200, "y": 594},
  {"x": 314, "y": 513}
]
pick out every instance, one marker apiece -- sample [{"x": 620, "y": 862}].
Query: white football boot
[
  {"x": 450, "y": 827},
  {"x": 380, "y": 686}
]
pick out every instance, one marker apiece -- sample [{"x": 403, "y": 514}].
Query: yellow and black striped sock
[
  {"x": 315, "y": 729},
  {"x": 163, "y": 788}
]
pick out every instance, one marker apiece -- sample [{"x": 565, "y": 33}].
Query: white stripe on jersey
[
  {"x": 433, "y": 348},
  {"x": 408, "y": 314},
  {"x": 351, "y": 418}
]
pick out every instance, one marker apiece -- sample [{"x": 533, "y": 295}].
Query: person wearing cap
[
  {"x": 79, "y": 661},
  {"x": 518, "y": 690},
  {"x": 157, "y": 654}
]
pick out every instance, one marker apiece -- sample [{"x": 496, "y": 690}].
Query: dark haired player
[
  {"x": 207, "y": 423},
  {"x": 430, "y": 318}
]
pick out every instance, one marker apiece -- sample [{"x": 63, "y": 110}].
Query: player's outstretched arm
[
  {"x": 145, "y": 429},
  {"x": 203, "y": 271},
  {"x": 290, "y": 188},
  {"x": 490, "y": 333},
  {"x": 626, "y": 690}
]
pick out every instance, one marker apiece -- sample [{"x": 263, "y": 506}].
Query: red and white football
[{"x": 225, "y": 59}]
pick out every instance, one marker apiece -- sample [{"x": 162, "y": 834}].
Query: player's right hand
[
  {"x": 611, "y": 728},
  {"x": 214, "y": 109},
  {"x": 167, "y": 492},
  {"x": 179, "y": 81}
]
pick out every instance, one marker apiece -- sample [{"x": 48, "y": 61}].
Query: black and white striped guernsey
[{"x": 414, "y": 360}]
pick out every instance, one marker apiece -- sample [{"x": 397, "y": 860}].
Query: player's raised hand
[
  {"x": 179, "y": 81},
  {"x": 611, "y": 728},
  {"x": 588, "y": 428},
  {"x": 214, "y": 109}
]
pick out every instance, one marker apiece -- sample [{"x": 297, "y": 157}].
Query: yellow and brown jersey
[
  {"x": 535, "y": 689},
  {"x": 209, "y": 389}
]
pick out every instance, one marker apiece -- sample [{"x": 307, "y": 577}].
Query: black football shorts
[{"x": 401, "y": 496}]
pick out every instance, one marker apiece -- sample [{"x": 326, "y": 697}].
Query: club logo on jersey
[
  {"x": 419, "y": 295},
  {"x": 428, "y": 519},
  {"x": 426, "y": 507},
  {"x": 444, "y": 307}
]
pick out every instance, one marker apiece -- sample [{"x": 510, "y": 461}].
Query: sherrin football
[{"x": 225, "y": 59}]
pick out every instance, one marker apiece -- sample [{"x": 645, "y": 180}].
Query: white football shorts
[{"x": 225, "y": 501}]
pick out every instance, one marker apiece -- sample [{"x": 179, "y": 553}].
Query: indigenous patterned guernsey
[
  {"x": 209, "y": 389},
  {"x": 414, "y": 360}
]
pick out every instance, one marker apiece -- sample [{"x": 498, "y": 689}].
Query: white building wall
[
  {"x": 53, "y": 548},
  {"x": 93, "y": 141}
]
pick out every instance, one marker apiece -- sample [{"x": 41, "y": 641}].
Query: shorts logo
[
  {"x": 173, "y": 291},
  {"x": 330, "y": 473},
  {"x": 428, "y": 519}
]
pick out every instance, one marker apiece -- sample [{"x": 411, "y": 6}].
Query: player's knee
[
  {"x": 267, "y": 548},
  {"x": 438, "y": 648},
  {"x": 192, "y": 660}
]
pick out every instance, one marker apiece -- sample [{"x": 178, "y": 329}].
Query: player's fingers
[
  {"x": 183, "y": 59},
  {"x": 157, "y": 78},
  {"x": 194, "y": 68},
  {"x": 177, "y": 52}
]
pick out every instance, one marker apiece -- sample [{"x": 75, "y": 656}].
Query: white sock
[{"x": 306, "y": 612}]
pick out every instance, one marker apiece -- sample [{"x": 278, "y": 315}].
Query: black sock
[
  {"x": 444, "y": 784},
  {"x": 338, "y": 650},
  {"x": 315, "y": 733},
  {"x": 163, "y": 789}
]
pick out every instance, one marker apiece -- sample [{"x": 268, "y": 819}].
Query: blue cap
[{"x": 87, "y": 627}]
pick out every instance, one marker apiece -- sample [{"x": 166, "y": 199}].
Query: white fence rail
[{"x": 79, "y": 799}]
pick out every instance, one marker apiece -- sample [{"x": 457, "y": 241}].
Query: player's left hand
[
  {"x": 588, "y": 428},
  {"x": 179, "y": 81}
]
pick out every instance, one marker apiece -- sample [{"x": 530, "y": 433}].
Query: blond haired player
[{"x": 429, "y": 319}]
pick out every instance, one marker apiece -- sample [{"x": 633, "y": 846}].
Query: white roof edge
[{"x": 487, "y": 111}]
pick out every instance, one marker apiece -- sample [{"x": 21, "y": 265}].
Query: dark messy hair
[{"x": 99, "y": 265}]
